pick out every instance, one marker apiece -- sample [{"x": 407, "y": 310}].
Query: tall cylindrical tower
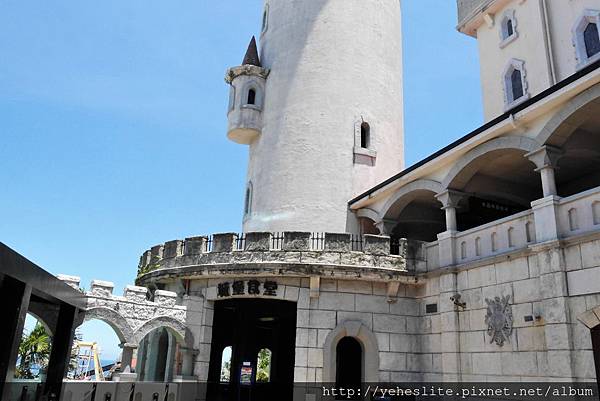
[{"x": 331, "y": 113}]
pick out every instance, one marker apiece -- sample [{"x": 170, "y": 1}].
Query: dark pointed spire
[{"x": 251, "y": 56}]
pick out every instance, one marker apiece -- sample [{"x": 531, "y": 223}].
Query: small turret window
[
  {"x": 365, "y": 135},
  {"x": 251, "y": 97}
]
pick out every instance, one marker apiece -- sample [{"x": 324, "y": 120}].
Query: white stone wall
[
  {"x": 333, "y": 63},
  {"x": 549, "y": 54}
]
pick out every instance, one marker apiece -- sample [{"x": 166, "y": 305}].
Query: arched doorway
[
  {"x": 157, "y": 356},
  {"x": 253, "y": 350},
  {"x": 349, "y": 363},
  {"x": 596, "y": 348}
]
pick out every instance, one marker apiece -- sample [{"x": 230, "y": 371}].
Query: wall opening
[
  {"x": 349, "y": 361},
  {"x": 261, "y": 334},
  {"x": 365, "y": 135},
  {"x": 251, "y": 97},
  {"x": 596, "y": 348},
  {"x": 591, "y": 39}
]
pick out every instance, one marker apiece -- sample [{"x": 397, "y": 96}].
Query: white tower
[{"x": 321, "y": 111}]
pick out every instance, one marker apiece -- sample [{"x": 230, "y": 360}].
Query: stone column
[
  {"x": 545, "y": 209},
  {"x": 151, "y": 356},
  {"x": 545, "y": 160},
  {"x": 450, "y": 327},
  {"x": 447, "y": 239},
  {"x": 126, "y": 373},
  {"x": 14, "y": 296}
]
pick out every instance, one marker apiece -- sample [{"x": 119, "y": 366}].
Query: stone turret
[{"x": 246, "y": 97}]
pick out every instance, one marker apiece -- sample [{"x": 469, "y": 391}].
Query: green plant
[{"x": 34, "y": 352}]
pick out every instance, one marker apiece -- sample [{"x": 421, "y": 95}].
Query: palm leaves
[{"x": 34, "y": 352}]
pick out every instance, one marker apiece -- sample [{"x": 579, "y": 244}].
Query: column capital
[
  {"x": 450, "y": 198},
  {"x": 128, "y": 345},
  {"x": 385, "y": 226},
  {"x": 545, "y": 157}
]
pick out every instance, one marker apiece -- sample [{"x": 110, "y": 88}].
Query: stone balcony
[{"x": 292, "y": 254}]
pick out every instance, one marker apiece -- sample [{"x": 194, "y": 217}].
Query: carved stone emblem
[{"x": 499, "y": 319}]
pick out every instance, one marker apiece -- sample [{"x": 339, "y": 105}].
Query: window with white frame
[
  {"x": 515, "y": 83},
  {"x": 586, "y": 37},
  {"x": 364, "y": 142},
  {"x": 508, "y": 28}
]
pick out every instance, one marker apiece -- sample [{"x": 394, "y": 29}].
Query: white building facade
[{"x": 480, "y": 263}]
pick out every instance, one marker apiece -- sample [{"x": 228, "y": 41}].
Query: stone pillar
[
  {"x": 450, "y": 329},
  {"x": 60, "y": 352},
  {"x": 447, "y": 239},
  {"x": 450, "y": 200},
  {"x": 545, "y": 160},
  {"x": 151, "y": 356},
  {"x": 126, "y": 374},
  {"x": 14, "y": 296}
]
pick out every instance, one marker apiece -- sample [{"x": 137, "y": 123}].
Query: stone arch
[
  {"x": 115, "y": 320},
  {"x": 524, "y": 144},
  {"x": 404, "y": 192},
  {"x": 177, "y": 328},
  {"x": 369, "y": 345},
  {"x": 568, "y": 118}
]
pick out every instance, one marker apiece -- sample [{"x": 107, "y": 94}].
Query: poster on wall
[{"x": 246, "y": 374}]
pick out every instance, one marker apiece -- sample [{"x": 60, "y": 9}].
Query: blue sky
[{"x": 113, "y": 119}]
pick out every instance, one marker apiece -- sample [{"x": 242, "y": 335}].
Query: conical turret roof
[{"x": 251, "y": 56}]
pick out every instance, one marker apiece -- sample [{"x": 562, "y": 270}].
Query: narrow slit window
[
  {"x": 365, "y": 135},
  {"x": 251, "y": 97},
  {"x": 591, "y": 39}
]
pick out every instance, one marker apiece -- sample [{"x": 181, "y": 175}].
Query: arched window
[
  {"x": 263, "y": 366},
  {"x": 516, "y": 82},
  {"x": 591, "y": 39},
  {"x": 226, "y": 364},
  {"x": 365, "y": 135},
  {"x": 586, "y": 37},
  {"x": 511, "y": 237},
  {"x": 494, "y": 240},
  {"x": 515, "y": 85},
  {"x": 508, "y": 28},
  {"x": 251, "y": 96},
  {"x": 463, "y": 250},
  {"x": 348, "y": 363},
  {"x": 248, "y": 199},
  {"x": 477, "y": 246}
]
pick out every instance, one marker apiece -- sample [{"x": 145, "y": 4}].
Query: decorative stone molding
[
  {"x": 370, "y": 349},
  {"x": 132, "y": 316},
  {"x": 296, "y": 241},
  {"x": 247, "y": 69},
  {"x": 298, "y": 254},
  {"x": 499, "y": 319}
]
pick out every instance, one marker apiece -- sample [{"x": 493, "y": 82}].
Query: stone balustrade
[{"x": 250, "y": 250}]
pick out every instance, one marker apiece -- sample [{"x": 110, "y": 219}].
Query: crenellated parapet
[
  {"x": 290, "y": 253},
  {"x": 133, "y": 314}
]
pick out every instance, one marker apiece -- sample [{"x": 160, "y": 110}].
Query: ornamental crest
[{"x": 499, "y": 319}]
